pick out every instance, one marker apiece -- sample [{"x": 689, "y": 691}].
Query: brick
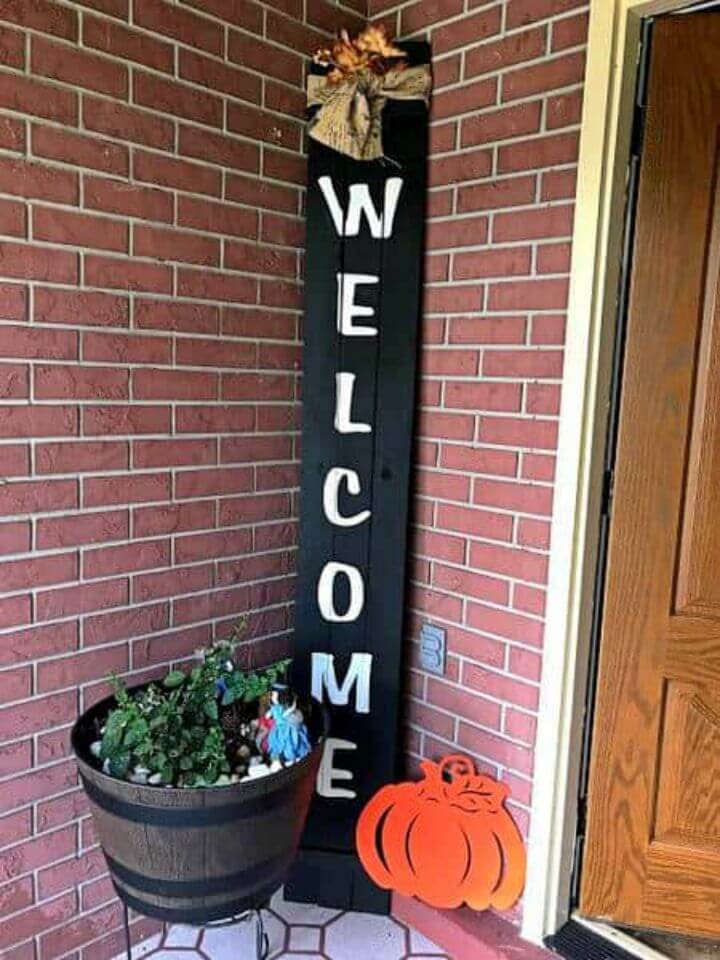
[
  {"x": 494, "y": 262},
  {"x": 464, "y": 99},
  {"x": 553, "y": 258},
  {"x": 536, "y": 533},
  {"x": 541, "y": 152},
  {"x": 458, "y": 232},
  {"x": 423, "y": 14},
  {"x": 174, "y": 385},
  {"x": 128, "y": 558},
  {"x": 520, "y": 726},
  {"x": 543, "y": 398},
  {"x": 13, "y": 221},
  {"x": 434, "y": 721},
  {"x": 548, "y": 329},
  {"x": 38, "y": 571},
  {"x": 44, "y": 16},
  {"x": 460, "y": 363},
  {"x": 498, "y": 397},
  {"x": 70, "y": 874},
  {"x": 122, "y": 419},
  {"x": 463, "y": 704},
  {"x": 125, "y": 624},
  {"x": 522, "y": 12},
  {"x": 79, "y": 68},
  {"x": 79, "y": 150},
  {"x": 173, "y": 518},
  {"x": 438, "y": 546},
  {"x": 66, "y": 938},
  {"x": 128, "y": 123},
  {"x": 538, "y": 466},
  {"x": 85, "y": 598},
  {"x": 254, "y": 509},
  {"x": 13, "y": 302},
  {"x": 551, "y": 74},
  {"x": 247, "y": 321},
  {"x": 474, "y": 523},
  {"x": 497, "y": 749},
  {"x": 176, "y": 315},
  {"x": 12, "y": 48},
  {"x": 15, "y": 460},
  {"x": 14, "y": 537},
  {"x": 37, "y": 496},
  {"x": 208, "y": 285},
  {"x": 207, "y": 483},
  {"x": 178, "y": 174},
  {"x": 79, "y": 229},
  {"x": 38, "y": 99},
  {"x": 178, "y": 24},
  {"x": 243, "y": 13},
  {"x": 446, "y": 426},
  {"x": 533, "y": 433},
  {"x": 134, "y": 488},
  {"x": 569, "y": 32},
  {"x": 564, "y": 110},
  {"x": 265, "y": 58},
  {"x": 217, "y": 217},
  {"x": 124, "y": 348},
  {"x": 504, "y": 124},
  {"x": 12, "y": 134},
  {"x": 128, "y": 199},
  {"x": 15, "y": 827},
  {"x": 470, "y": 29},
  {"x": 499, "y": 686},
  {"x": 521, "y": 497},
  {"x": 15, "y": 684},
  {"x": 162, "y": 244},
  {"x": 460, "y": 166},
  {"x": 454, "y": 299},
  {"x": 40, "y": 713},
  {"x": 38, "y": 263},
  {"x": 15, "y": 611},
  {"x": 208, "y": 546},
  {"x": 509, "y": 561},
  {"x": 73, "y": 307},
  {"x": 38, "y": 421},
  {"x": 176, "y": 582},
  {"x": 528, "y": 295},
  {"x": 80, "y": 383},
  {"x": 219, "y": 77},
  {"x": 174, "y": 453},
  {"x": 127, "y": 274},
  {"x": 479, "y": 586},
  {"x": 127, "y": 44},
  {"x": 260, "y": 194},
  {"x": 85, "y": 528},
  {"x": 35, "y": 920},
  {"x": 558, "y": 184},
  {"x": 14, "y": 381},
  {"x": 181, "y": 100},
  {"x": 442, "y": 486},
  {"x": 479, "y": 460},
  {"x": 487, "y": 330},
  {"x": 256, "y": 386},
  {"x": 253, "y": 258},
  {"x": 505, "y": 52},
  {"x": 545, "y": 222},
  {"x": 254, "y": 449},
  {"x": 523, "y": 363}
]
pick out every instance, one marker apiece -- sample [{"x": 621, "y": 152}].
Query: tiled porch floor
[{"x": 297, "y": 932}]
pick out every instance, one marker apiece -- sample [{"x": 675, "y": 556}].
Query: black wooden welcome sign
[{"x": 362, "y": 307}]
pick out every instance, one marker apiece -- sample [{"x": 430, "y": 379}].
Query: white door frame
[{"x": 596, "y": 256}]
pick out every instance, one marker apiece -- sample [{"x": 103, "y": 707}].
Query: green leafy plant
[{"x": 171, "y": 733}]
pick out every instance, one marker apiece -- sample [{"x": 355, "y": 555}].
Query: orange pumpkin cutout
[{"x": 447, "y": 839}]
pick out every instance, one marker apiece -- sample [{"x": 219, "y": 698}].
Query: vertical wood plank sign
[{"x": 362, "y": 308}]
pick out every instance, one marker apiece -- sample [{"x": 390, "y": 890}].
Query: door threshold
[{"x": 583, "y": 939}]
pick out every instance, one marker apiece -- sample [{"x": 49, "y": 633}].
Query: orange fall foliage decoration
[
  {"x": 447, "y": 839},
  {"x": 370, "y": 50}
]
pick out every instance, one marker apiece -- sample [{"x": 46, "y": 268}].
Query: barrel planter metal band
[{"x": 199, "y": 854}]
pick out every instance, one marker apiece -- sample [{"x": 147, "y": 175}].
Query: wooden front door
[{"x": 652, "y": 856}]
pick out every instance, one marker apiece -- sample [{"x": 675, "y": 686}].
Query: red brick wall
[
  {"x": 505, "y": 121},
  {"x": 150, "y": 173},
  {"x": 151, "y": 221}
]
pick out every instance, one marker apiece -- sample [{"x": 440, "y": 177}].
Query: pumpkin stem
[{"x": 457, "y": 765}]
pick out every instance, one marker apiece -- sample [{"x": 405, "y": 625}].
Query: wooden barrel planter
[{"x": 200, "y": 854}]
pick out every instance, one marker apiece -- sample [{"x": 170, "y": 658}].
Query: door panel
[{"x": 653, "y": 845}]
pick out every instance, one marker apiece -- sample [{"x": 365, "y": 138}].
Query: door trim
[{"x": 605, "y": 142}]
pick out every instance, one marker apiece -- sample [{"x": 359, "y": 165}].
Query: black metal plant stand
[{"x": 262, "y": 941}]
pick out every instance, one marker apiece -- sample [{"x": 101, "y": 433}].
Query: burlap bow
[{"x": 350, "y": 116}]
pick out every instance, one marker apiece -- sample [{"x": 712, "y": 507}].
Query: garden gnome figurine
[{"x": 288, "y": 738}]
